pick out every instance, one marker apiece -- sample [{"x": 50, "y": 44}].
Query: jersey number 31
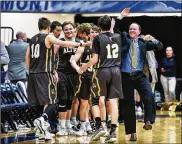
[
  {"x": 35, "y": 50},
  {"x": 112, "y": 51}
]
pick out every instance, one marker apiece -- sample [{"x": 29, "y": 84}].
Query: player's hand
[
  {"x": 112, "y": 25},
  {"x": 78, "y": 69},
  {"x": 163, "y": 70},
  {"x": 149, "y": 38},
  {"x": 56, "y": 78},
  {"x": 88, "y": 43},
  {"x": 125, "y": 13},
  {"x": 84, "y": 68}
]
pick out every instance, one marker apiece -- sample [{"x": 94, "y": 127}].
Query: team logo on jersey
[
  {"x": 69, "y": 50},
  {"x": 89, "y": 57},
  {"x": 36, "y": 38}
]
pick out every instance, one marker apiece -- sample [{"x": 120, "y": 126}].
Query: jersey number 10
[
  {"x": 112, "y": 51},
  {"x": 35, "y": 50}
]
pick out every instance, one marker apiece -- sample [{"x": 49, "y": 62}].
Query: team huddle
[{"x": 82, "y": 69}]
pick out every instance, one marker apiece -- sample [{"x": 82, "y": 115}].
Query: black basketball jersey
[
  {"x": 108, "y": 47},
  {"x": 41, "y": 57},
  {"x": 63, "y": 59},
  {"x": 86, "y": 56}
]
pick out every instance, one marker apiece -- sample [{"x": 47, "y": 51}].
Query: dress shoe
[
  {"x": 147, "y": 126},
  {"x": 133, "y": 137}
]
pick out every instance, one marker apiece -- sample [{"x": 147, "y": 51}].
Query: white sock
[
  {"x": 73, "y": 118},
  {"x": 103, "y": 124},
  {"x": 62, "y": 123},
  {"x": 87, "y": 120},
  {"x": 109, "y": 117},
  {"x": 68, "y": 122}
]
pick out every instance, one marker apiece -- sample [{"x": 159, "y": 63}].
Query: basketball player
[
  {"x": 106, "y": 78},
  {"x": 67, "y": 81},
  {"x": 41, "y": 84},
  {"x": 83, "y": 90},
  {"x": 56, "y": 28}
]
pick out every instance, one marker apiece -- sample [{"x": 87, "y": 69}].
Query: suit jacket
[
  {"x": 144, "y": 46},
  {"x": 17, "y": 67}
]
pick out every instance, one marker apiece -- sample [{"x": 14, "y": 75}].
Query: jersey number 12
[
  {"x": 112, "y": 51},
  {"x": 35, "y": 50}
]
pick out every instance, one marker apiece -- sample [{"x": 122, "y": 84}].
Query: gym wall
[{"x": 27, "y": 22}]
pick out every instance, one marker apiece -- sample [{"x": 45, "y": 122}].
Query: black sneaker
[
  {"x": 111, "y": 138},
  {"x": 98, "y": 133}
]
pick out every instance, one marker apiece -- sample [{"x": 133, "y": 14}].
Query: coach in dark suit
[{"x": 133, "y": 59}]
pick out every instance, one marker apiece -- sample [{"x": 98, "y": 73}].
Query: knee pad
[
  {"x": 62, "y": 106},
  {"x": 95, "y": 101},
  {"x": 69, "y": 104}
]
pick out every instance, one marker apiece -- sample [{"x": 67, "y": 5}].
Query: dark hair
[
  {"x": 43, "y": 23},
  {"x": 104, "y": 23},
  {"x": 96, "y": 28},
  {"x": 66, "y": 23},
  {"x": 84, "y": 27},
  {"x": 54, "y": 24},
  {"x": 138, "y": 25}
]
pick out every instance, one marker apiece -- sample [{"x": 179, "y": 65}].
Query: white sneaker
[
  {"x": 88, "y": 127},
  {"x": 71, "y": 131},
  {"x": 37, "y": 133},
  {"x": 106, "y": 133},
  {"x": 74, "y": 122},
  {"x": 39, "y": 124},
  {"x": 61, "y": 131},
  {"x": 43, "y": 137},
  {"x": 82, "y": 132}
]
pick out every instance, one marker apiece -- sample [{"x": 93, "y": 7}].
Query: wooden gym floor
[{"x": 167, "y": 129}]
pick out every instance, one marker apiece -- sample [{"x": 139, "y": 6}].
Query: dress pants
[{"x": 138, "y": 81}]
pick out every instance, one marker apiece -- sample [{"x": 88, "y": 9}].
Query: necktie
[{"x": 134, "y": 55}]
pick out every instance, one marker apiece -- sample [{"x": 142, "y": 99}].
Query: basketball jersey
[
  {"x": 63, "y": 58},
  {"x": 108, "y": 47},
  {"x": 41, "y": 57},
  {"x": 86, "y": 56}
]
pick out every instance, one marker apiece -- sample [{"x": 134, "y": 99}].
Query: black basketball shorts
[
  {"x": 66, "y": 86},
  {"x": 107, "y": 82},
  {"x": 41, "y": 89},
  {"x": 84, "y": 86}
]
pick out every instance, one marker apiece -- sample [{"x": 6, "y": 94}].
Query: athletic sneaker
[
  {"x": 72, "y": 131},
  {"x": 98, "y": 133},
  {"x": 74, "y": 122},
  {"x": 88, "y": 128},
  {"x": 61, "y": 131},
  {"x": 41, "y": 129},
  {"x": 105, "y": 129},
  {"x": 82, "y": 132},
  {"x": 111, "y": 138}
]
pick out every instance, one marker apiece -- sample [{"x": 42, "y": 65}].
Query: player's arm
[
  {"x": 95, "y": 55},
  {"x": 75, "y": 58},
  {"x": 52, "y": 39},
  {"x": 56, "y": 49},
  {"x": 92, "y": 62},
  {"x": 27, "y": 58}
]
